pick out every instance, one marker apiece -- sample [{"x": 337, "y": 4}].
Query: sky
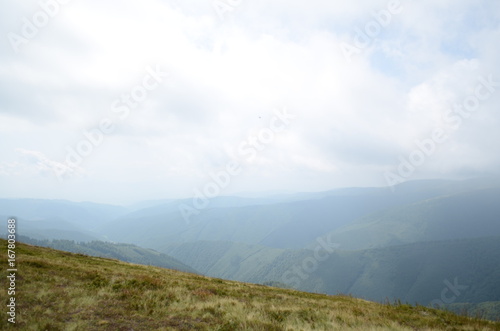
[{"x": 123, "y": 101}]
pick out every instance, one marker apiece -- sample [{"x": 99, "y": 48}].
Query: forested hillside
[
  {"x": 124, "y": 252},
  {"x": 414, "y": 273}
]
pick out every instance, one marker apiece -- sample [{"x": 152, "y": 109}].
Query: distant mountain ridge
[
  {"x": 404, "y": 242},
  {"x": 470, "y": 214},
  {"x": 290, "y": 222}
]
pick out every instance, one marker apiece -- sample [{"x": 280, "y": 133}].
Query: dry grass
[{"x": 63, "y": 291}]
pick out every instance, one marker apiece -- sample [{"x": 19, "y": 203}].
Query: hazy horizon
[{"x": 245, "y": 194}]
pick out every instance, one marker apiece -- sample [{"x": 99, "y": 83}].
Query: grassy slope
[{"x": 64, "y": 291}]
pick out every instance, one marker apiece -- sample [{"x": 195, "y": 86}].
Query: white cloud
[
  {"x": 39, "y": 164},
  {"x": 226, "y": 77}
]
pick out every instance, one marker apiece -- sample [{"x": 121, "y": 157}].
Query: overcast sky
[{"x": 208, "y": 76}]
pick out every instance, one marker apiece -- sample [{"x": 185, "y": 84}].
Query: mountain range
[{"x": 412, "y": 242}]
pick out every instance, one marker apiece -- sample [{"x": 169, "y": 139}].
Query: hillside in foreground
[{"x": 64, "y": 291}]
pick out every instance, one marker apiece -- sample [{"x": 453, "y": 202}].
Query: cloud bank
[{"x": 70, "y": 68}]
